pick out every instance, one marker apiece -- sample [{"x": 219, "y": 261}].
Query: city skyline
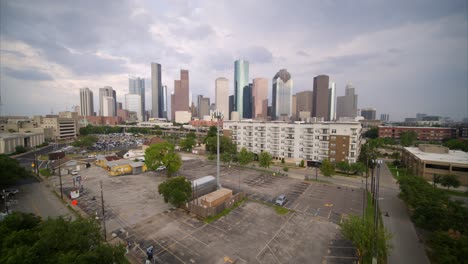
[{"x": 37, "y": 62}]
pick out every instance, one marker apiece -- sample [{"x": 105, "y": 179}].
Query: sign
[{"x": 74, "y": 202}]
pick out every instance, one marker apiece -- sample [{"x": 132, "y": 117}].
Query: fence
[{"x": 195, "y": 208}]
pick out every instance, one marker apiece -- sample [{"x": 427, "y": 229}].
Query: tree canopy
[
  {"x": 408, "y": 138},
  {"x": 85, "y": 141},
  {"x": 225, "y": 145},
  {"x": 245, "y": 157},
  {"x": 264, "y": 159},
  {"x": 372, "y": 133},
  {"x": 327, "y": 168},
  {"x": 24, "y": 238},
  {"x": 450, "y": 180},
  {"x": 176, "y": 191},
  {"x": 163, "y": 154},
  {"x": 11, "y": 171},
  {"x": 188, "y": 143}
]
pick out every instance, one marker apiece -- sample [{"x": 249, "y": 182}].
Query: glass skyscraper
[
  {"x": 241, "y": 81},
  {"x": 281, "y": 106},
  {"x": 136, "y": 85}
]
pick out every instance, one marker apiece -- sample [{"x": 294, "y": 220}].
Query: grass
[
  {"x": 278, "y": 209},
  {"x": 393, "y": 170},
  {"x": 455, "y": 193},
  {"x": 211, "y": 219}
]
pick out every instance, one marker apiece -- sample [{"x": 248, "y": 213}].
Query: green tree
[
  {"x": 245, "y": 157},
  {"x": 225, "y": 145},
  {"x": 264, "y": 159},
  {"x": 24, "y": 238},
  {"x": 408, "y": 138},
  {"x": 226, "y": 157},
  {"x": 358, "y": 168},
  {"x": 450, "y": 180},
  {"x": 372, "y": 133},
  {"x": 163, "y": 154},
  {"x": 188, "y": 143},
  {"x": 176, "y": 191},
  {"x": 282, "y": 161},
  {"x": 11, "y": 171},
  {"x": 343, "y": 166},
  {"x": 327, "y": 168},
  {"x": 191, "y": 135},
  {"x": 20, "y": 149},
  {"x": 85, "y": 141},
  {"x": 302, "y": 164}
]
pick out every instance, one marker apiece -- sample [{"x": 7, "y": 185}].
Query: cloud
[
  {"x": 26, "y": 74},
  {"x": 302, "y": 53},
  {"x": 256, "y": 54}
]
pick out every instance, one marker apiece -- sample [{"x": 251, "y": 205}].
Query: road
[
  {"x": 34, "y": 197},
  {"x": 27, "y": 159},
  {"x": 406, "y": 245}
]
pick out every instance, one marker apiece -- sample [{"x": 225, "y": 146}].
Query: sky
[{"x": 403, "y": 57}]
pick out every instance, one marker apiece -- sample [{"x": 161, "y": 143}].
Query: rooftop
[{"x": 454, "y": 156}]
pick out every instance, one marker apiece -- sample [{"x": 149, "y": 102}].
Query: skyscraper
[
  {"x": 304, "y": 102},
  {"x": 281, "y": 106},
  {"x": 346, "y": 106},
  {"x": 222, "y": 96},
  {"x": 107, "y": 91},
  {"x": 86, "y": 102},
  {"x": 260, "y": 98},
  {"x": 136, "y": 85},
  {"x": 156, "y": 90},
  {"x": 231, "y": 105},
  {"x": 164, "y": 101},
  {"x": 368, "y": 113},
  {"x": 203, "y": 106},
  {"x": 247, "y": 97},
  {"x": 133, "y": 103},
  {"x": 321, "y": 101},
  {"x": 180, "y": 98},
  {"x": 241, "y": 81},
  {"x": 108, "y": 106},
  {"x": 332, "y": 102}
]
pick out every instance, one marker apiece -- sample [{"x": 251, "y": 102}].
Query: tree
[
  {"x": 163, "y": 154},
  {"x": 282, "y": 161},
  {"x": 358, "y": 168},
  {"x": 176, "y": 191},
  {"x": 11, "y": 171},
  {"x": 450, "y": 180},
  {"x": 245, "y": 157},
  {"x": 225, "y": 145},
  {"x": 212, "y": 132},
  {"x": 188, "y": 143},
  {"x": 408, "y": 138},
  {"x": 226, "y": 157},
  {"x": 343, "y": 166},
  {"x": 327, "y": 168},
  {"x": 191, "y": 135},
  {"x": 302, "y": 164},
  {"x": 24, "y": 238},
  {"x": 372, "y": 133},
  {"x": 264, "y": 159},
  {"x": 20, "y": 149},
  {"x": 85, "y": 141}
]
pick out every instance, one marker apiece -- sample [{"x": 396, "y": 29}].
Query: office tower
[
  {"x": 231, "y": 105},
  {"x": 86, "y": 102},
  {"x": 164, "y": 101},
  {"x": 281, "y": 106},
  {"x": 384, "y": 117},
  {"x": 203, "y": 106},
  {"x": 420, "y": 116},
  {"x": 260, "y": 98},
  {"x": 133, "y": 104},
  {"x": 108, "y": 106},
  {"x": 194, "y": 110},
  {"x": 294, "y": 114},
  {"x": 346, "y": 106},
  {"x": 136, "y": 85},
  {"x": 320, "y": 97},
  {"x": 241, "y": 81},
  {"x": 222, "y": 96},
  {"x": 109, "y": 92},
  {"x": 304, "y": 102},
  {"x": 119, "y": 105},
  {"x": 180, "y": 100},
  {"x": 247, "y": 97},
  {"x": 332, "y": 101},
  {"x": 156, "y": 90},
  {"x": 368, "y": 113}
]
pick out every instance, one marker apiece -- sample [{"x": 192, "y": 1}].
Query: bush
[
  {"x": 282, "y": 160},
  {"x": 286, "y": 169},
  {"x": 302, "y": 164},
  {"x": 45, "y": 172},
  {"x": 20, "y": 149},
  {"x": 211, "y": 157}
]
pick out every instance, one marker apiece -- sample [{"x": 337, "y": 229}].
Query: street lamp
[{"x": 219, "y": 117}]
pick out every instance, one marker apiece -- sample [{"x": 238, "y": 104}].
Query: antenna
[{"x": 1, "y": 102}]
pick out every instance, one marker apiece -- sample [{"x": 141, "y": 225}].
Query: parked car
[
  {"x": 161, "y": 168},
  {"x": 9, "y": 192},
  {"x": 281, "y": 200},
  {"x": 74, "y": 172}
]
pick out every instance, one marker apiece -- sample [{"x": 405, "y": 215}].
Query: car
[
  {"x": 74, "y": 172},
  {"x": 281, "y": 200},
  {"x": 9, "y": 192},
  {"x": 161, "y": 168}
]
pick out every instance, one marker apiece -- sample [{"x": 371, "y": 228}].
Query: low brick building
[{"x": 423, "y": 133}]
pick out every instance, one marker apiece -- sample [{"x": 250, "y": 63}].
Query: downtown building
[
  {"x": 222, "y": 96},
  {"x": 346, "y": 106},
  {"x": 312, "y": 142},
  {"x": 107, "y": 101},
  {"x": 158, "y": 101},
  {"x": 281, "y": 105},
  {"x": 180, "y": 97},
  {"x": 241, "y": 82},
  {"x": 260, "y": 99},
  {"x": 86, "y": 102},
  {"x": 136, "y": 86}
]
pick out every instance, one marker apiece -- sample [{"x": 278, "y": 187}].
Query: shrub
[{"x": 286, "y": 169}]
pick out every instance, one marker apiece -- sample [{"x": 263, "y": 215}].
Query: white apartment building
[{"x": 336, "y": 141}]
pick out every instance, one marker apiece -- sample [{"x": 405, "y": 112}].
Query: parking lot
[{"x": 251, "y": 233}]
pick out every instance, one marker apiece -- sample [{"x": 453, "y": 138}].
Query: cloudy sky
[{"x": 402, "y": 56}]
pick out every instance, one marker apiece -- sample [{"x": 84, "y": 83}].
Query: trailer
[{"x": 203, "y": 185}]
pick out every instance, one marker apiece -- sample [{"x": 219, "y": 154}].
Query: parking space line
[
  {"x": 281, "y": 229},
  {"x": 273, "y": 253}
]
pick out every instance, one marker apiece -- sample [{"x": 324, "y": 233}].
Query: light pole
[{"x": 219, "y": 117}]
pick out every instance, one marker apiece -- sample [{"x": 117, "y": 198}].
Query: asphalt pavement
[{"x": 407, "y": 247}]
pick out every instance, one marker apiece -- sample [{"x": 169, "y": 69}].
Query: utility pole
[
  {"x": 219, "y": 116},
  {"x": 376, "y": 208},
  {"x": 60, "y": 178},
  {"x": 103, "y": 212}
]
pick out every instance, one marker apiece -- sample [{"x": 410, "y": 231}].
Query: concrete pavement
[{"x": 407, "y": 248}]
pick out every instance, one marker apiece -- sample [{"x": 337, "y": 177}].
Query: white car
[
  {"x": 74, "y": 172},
  {"x": 161, "y": 168}
]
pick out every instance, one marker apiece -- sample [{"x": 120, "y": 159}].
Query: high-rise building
[
  {"x": 294, "y": 108},
  {"x": 108, "y": 106},
  {"x": 384, "y": 117},
  {"x": 86, "y": 102},
  {"x": 222, "y": 96},
  {"x": 203, "y": 106},
  {"x": 247, "y": 97},
  {"x": 231, "y": 105},
  {"x": 107, "y": 91},
  {"x": 320, "y": 97},
  {"x": 133, "y": 103},
  {"x": 346, "y": 106},
  {"x": 119, "y": 105},
  {"x": 332, "y": 101},
  {"x": 260, "y": 98},
  {"x": 164, "y": 101},
  {"x": 156, "y": 90},
  {"x": 368, "y": 113},
  {"x": 281, "y": 105},
  {"x": 136, "y": 85},
  {"x": 420, "y": 116},
  {"x": 180, "y": 98},
  {"x": 241, "y": 81},
  {"x": 304, "y": 102}
]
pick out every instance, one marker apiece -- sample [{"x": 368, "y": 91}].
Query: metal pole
[
  {"x": 60, "y": 177},
  {"x": 217, "y": 152},
  {"x": 376, "y": 208},
  {"x": 103, "y": 213},
  {"x": 316, "y": 173},
  {"x": 35, "y": 162}
]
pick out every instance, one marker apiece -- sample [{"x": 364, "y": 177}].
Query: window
[
  {"x": 460, "y": 169},
  {"x": 333, "y": 131},
  {"x": 352, "y": 154},
  {"x": 332, "y": 137},
  {"x": 437, "y": 167}
]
